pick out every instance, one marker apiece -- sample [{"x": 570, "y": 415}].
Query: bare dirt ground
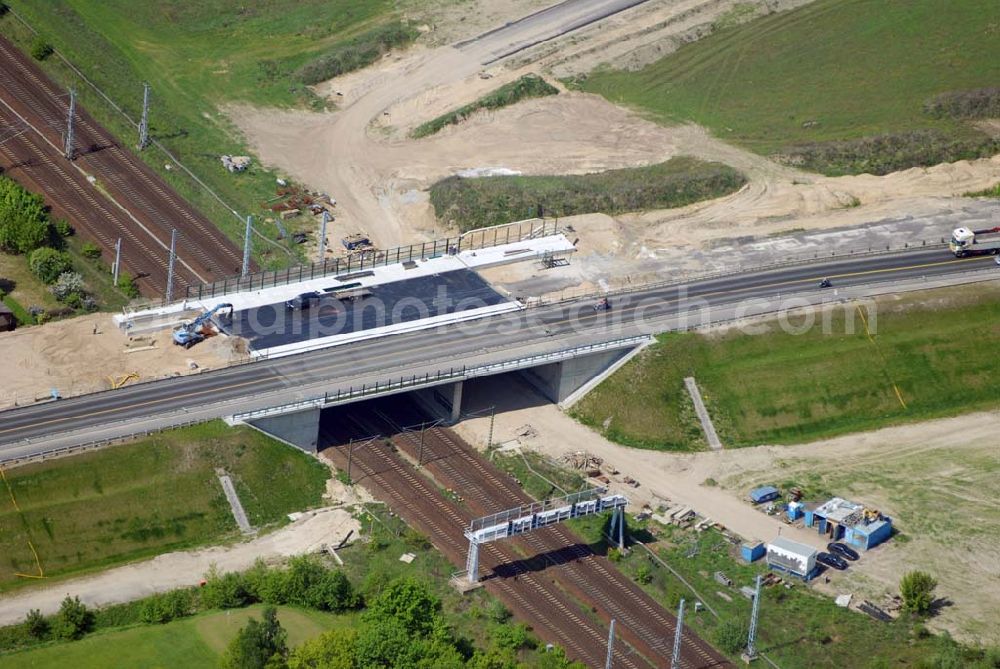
[
  {"x": 183, "y": 569},
  {"x": 938, "y": 480},
  {"x": 68, "y": 356},
  {"x": 362, "y": 155}
]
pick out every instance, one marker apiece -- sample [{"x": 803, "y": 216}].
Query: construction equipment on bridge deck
[{"x": 190, "y": 334}]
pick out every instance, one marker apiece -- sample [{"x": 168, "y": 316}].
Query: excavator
[{"x": 189, "y": 334}]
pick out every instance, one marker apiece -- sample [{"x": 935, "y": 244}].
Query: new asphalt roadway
[{"x": 540, "y": 329}]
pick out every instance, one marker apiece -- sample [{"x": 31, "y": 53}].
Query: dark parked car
[
  {"x": 303, "y": 301},
  {"x": 831, "y": 560},
  {"x": 843, "y": 550}
]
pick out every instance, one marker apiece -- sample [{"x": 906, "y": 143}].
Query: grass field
[
  {"x": 936, "y": 347},
  {"x": 193, "y": 642},
  {"x": 481, "y": 202},
  {"x": 528, "y": 86},
  {"x": 197, "y": 57},
  {"x": 832, "y": 70},
  {"x": 118, "y": 504}
]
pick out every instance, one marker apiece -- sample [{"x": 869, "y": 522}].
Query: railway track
[
  {"x": 485, "y": 490},
  {"x": 529, "y": 594},
  {"x": 154, "y": 209},
  {"x": 29, "y": 160}
]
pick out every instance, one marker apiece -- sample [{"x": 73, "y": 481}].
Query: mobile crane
[
  {"x": 964, "y": 242},
  {"x": 191, "y": 333}
]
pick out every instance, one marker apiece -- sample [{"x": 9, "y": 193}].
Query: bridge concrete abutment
[
  {"x": 558, "y": 380},
  {"x": 442, "y": 402},
  {"x": 299, "y": 429}
]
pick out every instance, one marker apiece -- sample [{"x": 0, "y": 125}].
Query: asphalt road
[
  {"x": 391, "y": 303},
  {"x": 543, "y": 328}
]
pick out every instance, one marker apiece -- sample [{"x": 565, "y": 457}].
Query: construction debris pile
[{"x": 235, "y": 163}]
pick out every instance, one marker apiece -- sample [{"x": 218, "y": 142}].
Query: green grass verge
[
  {"x": 832, "y": 71},
  {"x": 197, "y": 57},
  {"x": 199, "y": 641},
  {"x": 778, "y": 387},
  {"x": 539, "y": 476},
  {"x": 528, "y": 86},
  {"x": 477, "y": 203},
  {"x": 114, "y": 505}
]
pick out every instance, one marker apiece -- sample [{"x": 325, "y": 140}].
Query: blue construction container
[
  {"x": 764, "y": 494},
  {"x": 753, "y": 551}
]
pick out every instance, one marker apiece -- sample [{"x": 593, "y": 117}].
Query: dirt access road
[
  {"x": 182, "y": 569},
  {"x": 938, "y": 480}
]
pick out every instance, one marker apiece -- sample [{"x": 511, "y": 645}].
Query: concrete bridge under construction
[{"x": 559, "y": 347}]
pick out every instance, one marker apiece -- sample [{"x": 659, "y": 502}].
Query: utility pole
[
  {"x": 493, "y": 416},
  {"x": 68, "y": 146},
  {"x": 611, "y": 645},
  {"x": 350, "y": 456},
  {"x": 144, "y": 122},
  {"x": 675, "y": 659},
  {"x": 751, "y": 653},
  {"x": 420, "y": 455},
  {"x": 170, "y": 265},
  {"x": 246, "y": 246},
  {"x": 118, "y": 259},
  {"x": 322, "y": 235}
]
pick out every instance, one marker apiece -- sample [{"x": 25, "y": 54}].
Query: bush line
[
  {"x": 528, "y": 86},
  {"x": 486, "y": 201},
  {"x": 357, "y": 53}
]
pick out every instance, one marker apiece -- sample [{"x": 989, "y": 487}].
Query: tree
[
  {"x": 408, "y": 601},
  {"x": 36, "y": 624},
  {"x": 917, "y": 588},
  {"x": 24, "y": 225},
  {"x": 74, "y": 619},
  {"x": 47, "y": 264},
  {"x": 384, "y": 642},
  {"x": 259, "y": 644},
  {"x": 331, "y": 650}
]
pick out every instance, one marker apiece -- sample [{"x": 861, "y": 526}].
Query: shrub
[
  {"x": 479, "y": 202},
  {"x": 259, "y": 645},
  {"x": 731, "y": 636},
  {"x": 63, "y": 228},
  {"x": 643, "y": 574},
  {"x": 917, "y": 590},
  {"x": 73, "y": 620},
  {"x": 528, "y": 86},
  {"x": 91, "y": 251},
  {"x": 357, "y": 53},
  {"x": 36, "y": 624},
  {"x": 969, "y": 104},
  {"x": 497, "y": 612},
  {"x": 226, "y": 591},
  {"x": 126, "y": 284},
  {"x": 67, "y": 284},
  {"x": 166, "y": 607},
  {"x": 883, "y": 154},
  {"x": 511, "y": 637},
  {"x": 48, "y": 264},
  {"x": 40, "y": 49}
]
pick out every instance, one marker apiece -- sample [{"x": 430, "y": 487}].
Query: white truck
[{"x": 966, "y": 242}]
